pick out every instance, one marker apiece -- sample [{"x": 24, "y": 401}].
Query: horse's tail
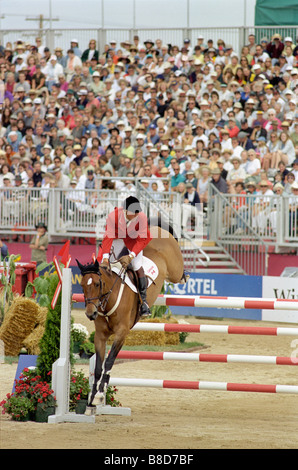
[{"x": 159, "y": 222}]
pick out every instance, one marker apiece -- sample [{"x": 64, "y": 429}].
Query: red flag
[
  {"x": 64, "y": 253},
  {"x": 99, "y": 254}
]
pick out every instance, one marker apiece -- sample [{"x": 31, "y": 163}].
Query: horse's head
[{"x": 92, "y": 287}]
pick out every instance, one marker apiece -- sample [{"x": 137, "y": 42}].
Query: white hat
[
  {"x": 75, "y": 40},
  {"x": 256, "y": 66},
  {"x": 141, "y": 136},
  {"x": 288, "y": 39},
  {"x": 294, "y": 185},
  {"x": 53, "y": 57},
  {"x": 164, "y": 147},
  {"x": 95, "y": 74}
]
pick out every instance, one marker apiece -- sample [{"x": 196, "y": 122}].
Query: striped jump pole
[
  {"x": 223, "y": 329},
  {"x": 203, "y": 385},
  {"x": 227, "y": 302},
  {"x": 218, "y": 302},
  {"x": 223, "y": 358}
]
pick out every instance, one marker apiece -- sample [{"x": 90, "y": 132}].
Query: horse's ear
[
  {"x": 79, "y": 265},
  {"x": 96, "y": 264}
]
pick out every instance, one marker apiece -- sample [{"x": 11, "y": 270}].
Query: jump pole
[
  {"x": 218, "y": 302},
  {"x": 202, "y": 357},
  {"x": 222, "y": 329},
  {"x": 227, "y": 302},
  {"x": 204, "y": 385}
]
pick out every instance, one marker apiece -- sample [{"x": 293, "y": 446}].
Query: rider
[{"x": 127, "y": 227}]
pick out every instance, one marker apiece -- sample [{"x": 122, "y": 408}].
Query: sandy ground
[{"x": 181, "y": 419}]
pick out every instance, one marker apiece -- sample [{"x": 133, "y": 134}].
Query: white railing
[
  {"x": 272, "y": 218},
  {"x": 236, "y": 36}
]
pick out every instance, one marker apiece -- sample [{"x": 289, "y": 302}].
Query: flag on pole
[
  {"x": 64, "y": 253},
  {"x": 99, "y": 254}
]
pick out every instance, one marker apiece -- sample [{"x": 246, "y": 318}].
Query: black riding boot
[{"x": 145, "y": 310}]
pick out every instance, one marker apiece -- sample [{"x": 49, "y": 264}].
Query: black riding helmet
[{"x": 132, "y": 204}]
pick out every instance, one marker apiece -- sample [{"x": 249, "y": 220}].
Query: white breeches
[{"x": 118, "y": 245}]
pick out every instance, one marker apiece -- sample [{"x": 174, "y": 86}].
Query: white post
[{"x": 61, "y": 368}]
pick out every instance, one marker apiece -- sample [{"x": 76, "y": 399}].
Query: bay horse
[{"x": 111, "y": 316}]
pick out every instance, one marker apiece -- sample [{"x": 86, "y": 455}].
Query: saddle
[{"x": 131, "y": 278}]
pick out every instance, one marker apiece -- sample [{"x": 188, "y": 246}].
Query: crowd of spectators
[{"x": 185, "y": 115}]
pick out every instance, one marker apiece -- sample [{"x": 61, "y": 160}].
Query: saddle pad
[{"x": 150, "y": 269}]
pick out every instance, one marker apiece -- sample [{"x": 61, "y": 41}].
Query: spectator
[
  {"x": 191, "y": 207},
  {"x": 218, "y": 181},
  {"x": 3, "y": 251},
  {"x": 39, "y": 244},
  {"x": 176, "y": 178}
]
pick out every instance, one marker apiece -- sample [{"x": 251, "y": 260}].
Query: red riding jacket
[{"x": 135, "y": 234}]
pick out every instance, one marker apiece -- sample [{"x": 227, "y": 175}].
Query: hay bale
[
  {"x": 31, "y": 342},
  {"x": 151, "y": 338},
  {"x": 19, "y": 322}
]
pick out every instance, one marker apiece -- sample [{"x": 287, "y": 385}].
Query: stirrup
[{"x": 147, "y": 312}]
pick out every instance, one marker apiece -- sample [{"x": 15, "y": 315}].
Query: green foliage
[
  {"x": 158, "y": 311},
  {"x": 7, "y": 279},
  {"x": 111, "y": 396}
]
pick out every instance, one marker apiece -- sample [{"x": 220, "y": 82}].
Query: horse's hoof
[{"x": 90, "y": 410}]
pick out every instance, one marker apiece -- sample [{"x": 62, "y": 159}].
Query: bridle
[{"x": 104, "y": 297}]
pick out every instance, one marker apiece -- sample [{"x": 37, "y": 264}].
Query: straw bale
[
  {"x": 31, "y": 343},
  {"x": 19, "y": 322},
  {"x": 151, "y": 338}
]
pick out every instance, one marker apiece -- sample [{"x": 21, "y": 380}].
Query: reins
[{"x": 103, "y": 299}]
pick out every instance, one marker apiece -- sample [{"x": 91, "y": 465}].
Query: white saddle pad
[{"x": 150, "y": 269}]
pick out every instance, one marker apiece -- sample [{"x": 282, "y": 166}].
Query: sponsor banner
[
  {"x": 76, "y": 285},
  {"x": 275, "y": 287},
  {"x": 231, "y": 285}
]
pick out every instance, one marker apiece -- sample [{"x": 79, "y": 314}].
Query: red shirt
[{"x": 136, "y": 234}]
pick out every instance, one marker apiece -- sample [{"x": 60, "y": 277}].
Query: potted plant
[
  {"x": 78, "y": 392},
  {"x": 79, "y": 334},
  {"x": 110, "y": 396},
  {"x": 45, "y": 401},
  {"x": 18, "y": 406}
]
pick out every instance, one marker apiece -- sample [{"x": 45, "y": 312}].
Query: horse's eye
[{"x": 96, "y": 284}]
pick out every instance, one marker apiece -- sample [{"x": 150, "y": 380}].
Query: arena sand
[{"x": 181, "y": 419}]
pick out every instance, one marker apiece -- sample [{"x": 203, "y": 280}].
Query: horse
[{"x": 114, "y": 306}]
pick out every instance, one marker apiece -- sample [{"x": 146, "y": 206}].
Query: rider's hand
[
  {"x": 105, "y": 263},
  {"x": 125, "y": 260}
]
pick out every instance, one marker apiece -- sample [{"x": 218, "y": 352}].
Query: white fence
[
  {"x": 71, "y": 212},
  {"x": 236, "y": 36},
  {"x": 271, "y": 218}
]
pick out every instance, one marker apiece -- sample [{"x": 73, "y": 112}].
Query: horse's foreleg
[
  {"x": 100, "y": 347},
  {"x": 109, "y": 362}
]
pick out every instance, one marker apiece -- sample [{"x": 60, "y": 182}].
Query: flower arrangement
[
  {"x": 30, "y": 393},
  {"x": 110, "y": 396},
  {"x": 79, "y": 333},
  {"x": 44, "y": 395},
  {"x": 78, "y": 390},
  {"x": 18, "y": 406}
]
